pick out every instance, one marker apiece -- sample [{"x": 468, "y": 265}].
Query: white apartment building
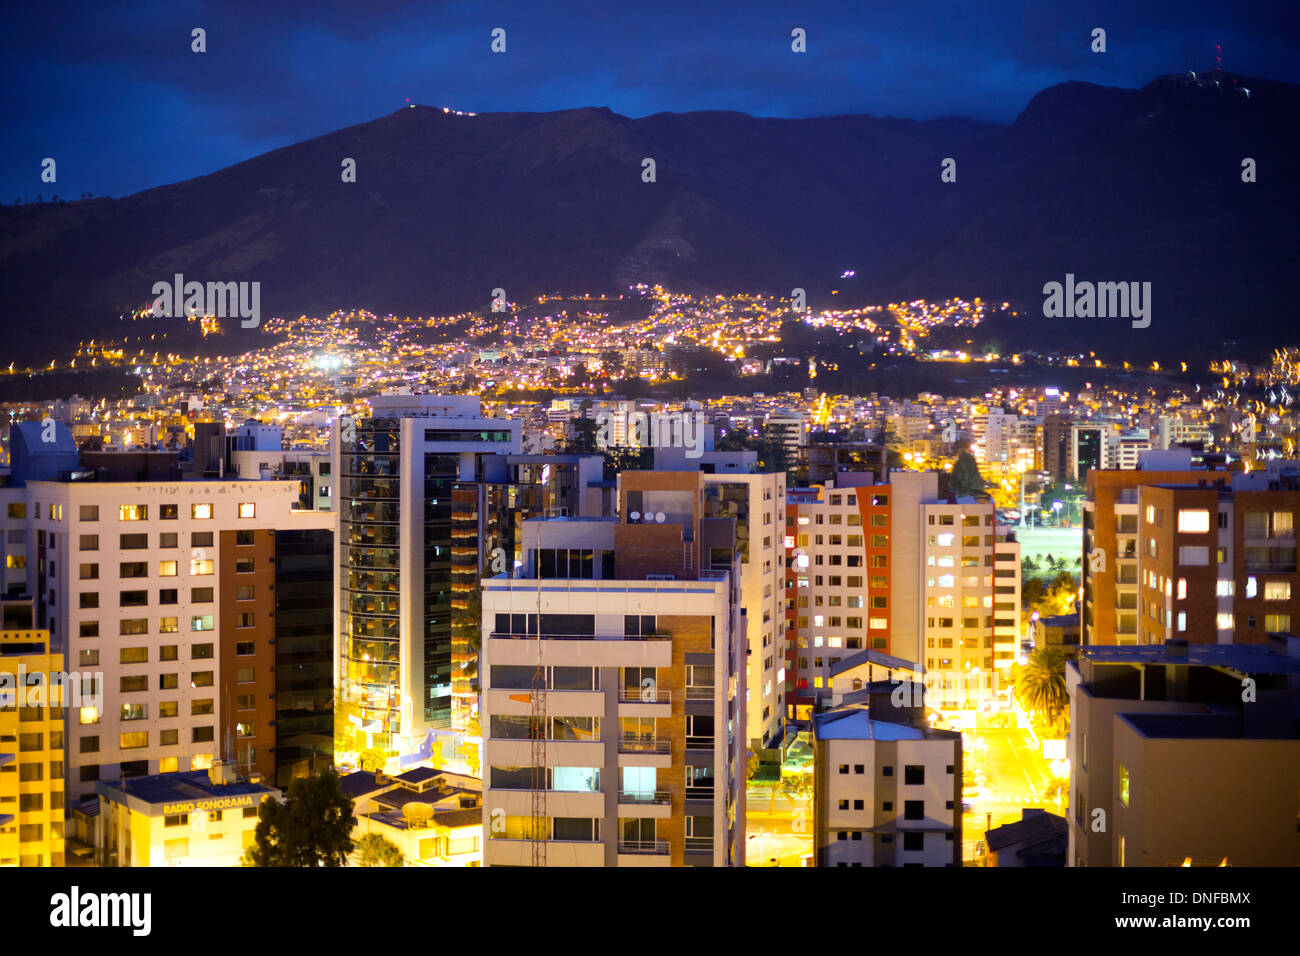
[
  {"x": 643, "y": 757},
  {"x": 886, "y": 792},
  {"x": 971, "y": 575},
  {"x": 129, "y": 577}
]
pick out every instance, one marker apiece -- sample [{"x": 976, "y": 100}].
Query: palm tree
[{"x": 1041, "y": 684}]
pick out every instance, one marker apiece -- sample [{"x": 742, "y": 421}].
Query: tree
[
  {"x": 965, "y": 477},
  {"x": 371, "y": 760},
  {"x": 1032, "y": 592},
  {"x": 375, "y": 849},
  {"x": 348, "y": 737},
  {"x": 1041, "y": 684},
  {"x": 583, "y": 439},
  {"x": 312, "y": 827}
]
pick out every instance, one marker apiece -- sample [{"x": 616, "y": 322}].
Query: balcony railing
[
  {"x": 699, "y": 793},
  {"x": 645, "y": 797},
  {"x": 655, "y": 847},
  {"x": 699, "y": 692},
  {"x": 699, "y": 844},
  {"x": 644, "y": 745},
  {"x": 644, "y": 695},
  {"x": 503, "y": 635},
  {"x": 701, "y": 743}
]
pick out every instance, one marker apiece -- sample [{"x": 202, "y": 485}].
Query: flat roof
[
  {"x": 1245, "y": 658},
  {"x": 182, "y": 792}
]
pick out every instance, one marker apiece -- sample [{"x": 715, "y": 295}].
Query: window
[
  {"x": 243, "y": 565},
  {"x": 133, "y": 626},
  {"x": 201, "y": 512},
  {"x": 201, "y": 735},
  {"x": 89, "y": 572},
  {"x": 1190, "y": 556},
  {"x": 243, "y": 648},
  {"x": 169, "y": 738},
  {"x": 168, "y": 539},
  {"x": 133, "y": 569},
  {"x": 167, "y": 569},
  {"x": 1193, "y": 521},
  {"x": 1123, "y": 785},
  {"x": 135, "y": 712},
  {"x": 201, "y": 595},
  {"x": 168, "y": 652},
  {"x": 88, "y": 629},
  {"x": 133, "y": 542},
  {"x": 168, "y": 708},
  {"x": 201, "y": 622},
  {"x": 168, "y": 681},
  {"x": 201, "y": 707},
  {"x": 913, "y": 809},
  {"x": 131, "y": 513},
  {"x": 201, "y": 678},
  {"x": 244, "y": 729},
  {"x": 133, "y": 739},
  {"x": 169, "y": 596},
  {"x": 1277, "y": 590},
  {"x": 201, "y": 566},
  {"x": 914, "y": 775},
  {"x": 201, "y": 539},
  {"x": 89, "y": 542},
  {"x": 914, "y": 840},
  {"x": 133, "y": 655},
  {"x": 245, "y": 675},
  {"x": 1277, "y": 623},
  {"x": 243, "y": 592},
  {"x": 133, "y": 598},
  {"x": 247, "y": 509},
  {"x": 201, "y": 652}
]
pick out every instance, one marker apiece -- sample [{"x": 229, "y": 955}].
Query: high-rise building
[
  {"x": 613, "y": 703},
  {"x": 1206, "y": 556},
  {"x": 897, "y": 569},
  {"x": 1184, "y": 755},
  {"x": 886, "y": 785},
  {"x": 167, "y": 589},
  {"x": 397, "y": 475},
  {"x": 756, "y": 501},
  {"x": 32, "y": 702}
]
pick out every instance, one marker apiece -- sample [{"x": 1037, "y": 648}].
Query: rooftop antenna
[{"x": 1219, "y": 56}]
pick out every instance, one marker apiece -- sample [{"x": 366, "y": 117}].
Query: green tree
[
  {"x": 965, "y": 476},
  {"x": 375, "y": 849},
  {"x": 1041, "y": 684},
  {"x": 312, "y": 827},
  {"x": 371, "y": 760},
  {"x": 348, "y": 737}
]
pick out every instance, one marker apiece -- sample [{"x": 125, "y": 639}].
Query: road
[
  {"x": 1016, "y": 776},
  {"x": 774, "y": 831}
]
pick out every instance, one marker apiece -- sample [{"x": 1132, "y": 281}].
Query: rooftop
[{"x": 1269, "y": 658}]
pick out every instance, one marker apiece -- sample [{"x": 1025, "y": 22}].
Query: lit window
[
  {"x": 1182, "y": 588},
  {"x": 247, "y": 509},
  {"x": 1193, "y": 521},
  {"x": 1123, "y": 784},
  {"x": 201, "y": 512},
  {"x": 1277, "y": 590},
  {"x": 167, "y": 569},
  {"x": 1224, "y": 621},
  {"x": 201, "y": 566},
  {"x": 1252, "y": 587},
  {"x": 133, "y": 512}
]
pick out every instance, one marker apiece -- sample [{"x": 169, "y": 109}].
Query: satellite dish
[
  {"x": 660, "y": 517},
  {"x": 635, "y": 516}
]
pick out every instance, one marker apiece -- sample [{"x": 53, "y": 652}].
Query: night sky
[{"x": 113, "y": 92}]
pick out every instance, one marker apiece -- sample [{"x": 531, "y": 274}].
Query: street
[{"x": 1016, "y": 776}]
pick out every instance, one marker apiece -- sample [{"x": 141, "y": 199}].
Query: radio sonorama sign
[{"x": 217, "y": 803}]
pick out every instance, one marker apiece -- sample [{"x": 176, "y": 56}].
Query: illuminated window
[
  {"x": 877, "y": 623},
  {"x": 1224, "y": 621},
  {"x": 167, "y": 569},
  {"x": 1277, "y": 623},
  {"x": 1277, "y": 590},
  {"x": 247, "y": 509},
  {"x": 1123, "y": 784},
  {"x": 133, "y": 512},
  {"x": 201, "y": 512},
  {"x": 201, "y": 566},
  {"x": 1193, "y": 521},
  {"x": 1252, "y": 587},
  {"x": 134, "y": 739},
  {"x": 1182, "y": 588}
]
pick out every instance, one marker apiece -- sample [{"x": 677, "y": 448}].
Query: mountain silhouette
[{"x": 1108, "y": 184}]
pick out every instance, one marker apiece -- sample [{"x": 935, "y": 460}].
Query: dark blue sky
[{"x": 114, "y": 94}]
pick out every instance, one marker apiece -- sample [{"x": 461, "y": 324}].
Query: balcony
[
  {"x": 644, "y": 695},
  {"x": 701, "y": 743},
  {"x": 644, "y": 745},
  {"x": 700, "y": 691},
  {"x": 503, "y": 636},
  {"x": 699, "y": 844},
  {"x": 658, "y": 798},
  {"x": 700, "y": 793},
  {"x": 646, "y": 847}
]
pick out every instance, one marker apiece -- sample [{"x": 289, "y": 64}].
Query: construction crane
[{"x": 537, "y": 723}]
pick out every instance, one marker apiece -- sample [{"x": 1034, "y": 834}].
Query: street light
[{"x": 1056, "y": 506}]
